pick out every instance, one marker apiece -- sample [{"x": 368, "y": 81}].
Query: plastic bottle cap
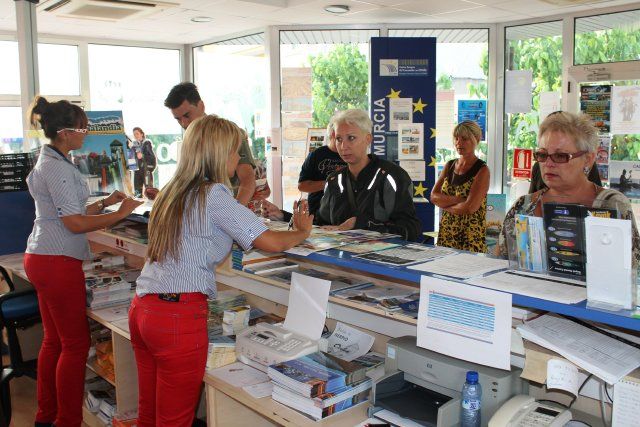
[{"x": 472, "y": 377}]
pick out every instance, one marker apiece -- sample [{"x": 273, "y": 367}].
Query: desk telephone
[
  {"x": 269, "y": 344},
  {"x": 524, "y": 411}
]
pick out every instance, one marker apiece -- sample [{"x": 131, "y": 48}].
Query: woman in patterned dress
[{"x": 461, "y": 193}]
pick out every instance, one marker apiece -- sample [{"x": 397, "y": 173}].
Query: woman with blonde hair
[
  {"x": 461, "y": 193},
  {"x": 194, "y": 221}
]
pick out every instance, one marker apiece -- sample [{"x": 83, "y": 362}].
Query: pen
[{"x": 296, "y": 207}]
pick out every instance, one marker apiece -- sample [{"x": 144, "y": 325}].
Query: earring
[{"x": 586, "y": 170}]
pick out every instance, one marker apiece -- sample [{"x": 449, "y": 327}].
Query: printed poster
[
  {"x": 624, "y": 176},
  {"x": 315, "y": 139},
  {"x": 548, "y": 103},
  {"x": 103, "y": 156},
  {"x": 596, "y": 102},
  {"x": 517, "y": 91},
  {"x": 401, "y": 110},
  {"x": 415, "y": 168},
  {"x": 474, "y": 110},
  {"x": 625, "y": 106},
  {"x": 445, "y": 118},
  {"x": 411, "y": 141}
]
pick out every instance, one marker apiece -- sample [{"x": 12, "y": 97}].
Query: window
[
  {"x": 538, "y": 48},
  {"x": 607, "y": 38},
  {"x": 232, "y": 80},
  {"x": 322, "y": 71},
  {"x": 10, "y": 130},
  {"x": 136, "y": 81},
  {"x": 10, "y": 69},
  {"x": 58, "y": 69}
]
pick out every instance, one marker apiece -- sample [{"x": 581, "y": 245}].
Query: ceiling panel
[{"x": 433, "y": 7}]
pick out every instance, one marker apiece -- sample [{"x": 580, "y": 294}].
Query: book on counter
[
  {"x": 262, "y": 268},
  {"x": 316, "y": 374}
]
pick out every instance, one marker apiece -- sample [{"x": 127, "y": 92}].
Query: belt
[{"x": 184, "y": 297}]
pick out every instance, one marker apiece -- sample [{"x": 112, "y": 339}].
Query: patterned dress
[{"x": 465, "y": 232}]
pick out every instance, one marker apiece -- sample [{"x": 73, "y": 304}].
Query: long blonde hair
[{"x": 205, "y": 151}]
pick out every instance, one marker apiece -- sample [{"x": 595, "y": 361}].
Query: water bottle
[{"x": 471, "y": 398}]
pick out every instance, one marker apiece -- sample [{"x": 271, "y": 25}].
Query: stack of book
[
  {"x": 225, "y": 300},
  {"x": 320, "y": 385},
  {"x": 109, "y": 282},
  {"x": 239, "y": 259},
  {"x": 107, "y": 410},
  {"x": 266, "y": 267}
]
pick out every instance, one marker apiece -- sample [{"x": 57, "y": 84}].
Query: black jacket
[{"x": 382, "y": 200}]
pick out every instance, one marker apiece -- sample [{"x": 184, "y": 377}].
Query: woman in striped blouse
[
  {"x": 53, "y": 260},
  {"x": 194, "y": 221}
]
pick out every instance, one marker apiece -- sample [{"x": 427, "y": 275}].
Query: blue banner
[
  {"x": 474, "y": 110},
  {"x": 405, "y": 67}
]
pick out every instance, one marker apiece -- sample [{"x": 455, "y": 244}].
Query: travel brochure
[{"x": 321, "y": 239}]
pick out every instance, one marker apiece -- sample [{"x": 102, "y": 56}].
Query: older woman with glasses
[{"x": 567, "y": 145}]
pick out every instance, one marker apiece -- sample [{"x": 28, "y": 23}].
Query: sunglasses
[
  {"x": 542, "y": 156},
  {"x": 74, "y": 130}
]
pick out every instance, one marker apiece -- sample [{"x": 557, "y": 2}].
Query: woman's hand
[
  {"x": 113, "y": 198},
  {"x": 151, "y": 192},
  {"x": 128, "y": 205},
  {"x": 271, "y": 211},
  {"x": 301, "y": 219},
  {"x": 347, "y": 225}
]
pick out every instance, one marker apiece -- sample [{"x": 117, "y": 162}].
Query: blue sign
[{"x": 474, "y": 110}]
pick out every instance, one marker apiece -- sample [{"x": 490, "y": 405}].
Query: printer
[{"x": 423, "y": 388}]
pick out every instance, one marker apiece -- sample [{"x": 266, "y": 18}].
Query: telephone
[
  {"x": 525, "y": 411},
  {"x": 269, "y": 344}
]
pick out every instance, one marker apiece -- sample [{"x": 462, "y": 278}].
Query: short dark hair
[
  {"x": 185, "y": 91},
  {"x": 55, "y": 116}
]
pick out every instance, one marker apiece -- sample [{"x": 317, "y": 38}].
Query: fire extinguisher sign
[{"x": 522, "y": 162}]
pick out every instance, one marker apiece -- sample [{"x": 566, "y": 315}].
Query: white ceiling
[{"x": 174, "y": 25}]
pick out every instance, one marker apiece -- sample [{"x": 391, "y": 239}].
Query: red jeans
[
  {"x": 59, "y": 282},
  {"x": 170, "y": 343}
]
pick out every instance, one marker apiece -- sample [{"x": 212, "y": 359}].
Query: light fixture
[
  {"x": 201, "y": 19},
  {"x": 337, "y": 8}
]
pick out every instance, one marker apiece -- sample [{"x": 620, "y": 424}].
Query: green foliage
[
  {"x": 607, "y": 46},
  {"x": 257, "y": 148},
  {"x": 445, "y": 82},
  {"x": 339, "y": 81},
  {"x": 625, "y": 147}
]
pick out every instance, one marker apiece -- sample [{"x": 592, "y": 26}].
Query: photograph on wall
[
  {"x": 625, "y": 110},
  {"x": 625, "y": 177},
  {"x": 400, "y": 111},
  {"x": 474, "y": 110},
  {"x": 602, "y": 154},
  {"x": 315, "y": 139},
  {"x": 603, "y": 171},
  {"x": 411, "y": 141},
  {"x": 103, "y": 156},
  {"x": 595, "y": 100}
]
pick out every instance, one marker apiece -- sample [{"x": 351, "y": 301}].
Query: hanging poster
[
  {"x": 315, "y": 139},
  {"x": 596, "y": 102},
  {"x": 625, "y": 106},
  {"x": 602, "y": 155},
  {"x": 474, "y": 110},
  {"x": 445, "y": 118},
  {"x": 103, "y": 156},
  {"x": 625, "y": 177},
  {"x": 522, "y": 162},
  {"x": 517, "y": 91},
  {"x": 415, "y": 168},
  {"x": 401, "y": 111},
  {"x": 548, "y": 103},
  {"x": 411, "y": 141}
]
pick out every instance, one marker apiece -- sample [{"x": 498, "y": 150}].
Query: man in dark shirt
[{"x": 317, "y": 167}]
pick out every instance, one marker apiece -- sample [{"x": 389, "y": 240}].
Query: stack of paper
[
  {"x": 462, "y": 266},
  {"x": 603, "y": 356}
]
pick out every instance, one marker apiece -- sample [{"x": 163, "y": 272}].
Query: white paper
[
  {"x": 462, "y": 266},
  {"x": 411, "y": 141},
  {"x": 549, "y": 102},
  {"x": 111, "y": 314},
  {"x": 239, "y": 375},
  {"x": 307, "y": 310},
  {"x": 400, "y": 111},
  {"x": 395, "y": 419},
  {"x": 348, "y": 343},
  {"x": 517, "y": 91},
  {"x": 563, "y": 375},
  {"x": 260, "y": 390},
  {"x": 445, "y": 118},
  {"x": 625, "y": 110},
  {"x": 465, "y": 322},
  {"x": 415, "y": 168},
  {"x": 549, "y": 288},
  {"x": 626, "y": 403},
  {"x": 604, "y": 357}
]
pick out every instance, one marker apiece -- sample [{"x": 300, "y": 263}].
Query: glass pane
[
  {"x": 535, "y": 47},
  {"x": 58, "y": 69},
  {"x": 10, "y": 130},
  {"x": 10, "y": 69},
  {"x": 137, "y": 84},
  {"x": 321, "y": 72},
  {"x": 607, "y": 38},
  {"x": 231, "y": 79}
]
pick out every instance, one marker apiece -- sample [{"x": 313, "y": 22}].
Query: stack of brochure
[
  {"x": 225, "y": 300},
  {"x": 107, "y": 410},
  {"x": 108, "y": 281}
]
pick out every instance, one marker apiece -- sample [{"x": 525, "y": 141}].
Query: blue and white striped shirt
[
  {"x": 59, "y": 190},
  {"x": 203, "y": 244}
]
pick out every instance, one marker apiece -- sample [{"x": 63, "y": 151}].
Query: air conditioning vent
[{"x": 103, "y": 10}]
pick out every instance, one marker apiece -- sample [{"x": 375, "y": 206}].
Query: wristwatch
[{"x": 100, "y": 204}]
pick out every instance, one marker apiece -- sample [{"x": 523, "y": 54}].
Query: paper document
[
  {"x": 395, "y": 419},
  {"x": 462, "y": 266},
  {"x": 604, "y": 357},
  {"x": 111, "y": 314},
  {"x": 544, "y": 287},
  {"x": 239, "y": 375},
  {"x": 307, "y": 310},
  {"x": 626, "y": 403},
  {"x": 563, "y": 375},
  {"x": 260, "y": 390},
  {"x": 348, "y": 343},
  {"x": 465, "y": 322}
]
